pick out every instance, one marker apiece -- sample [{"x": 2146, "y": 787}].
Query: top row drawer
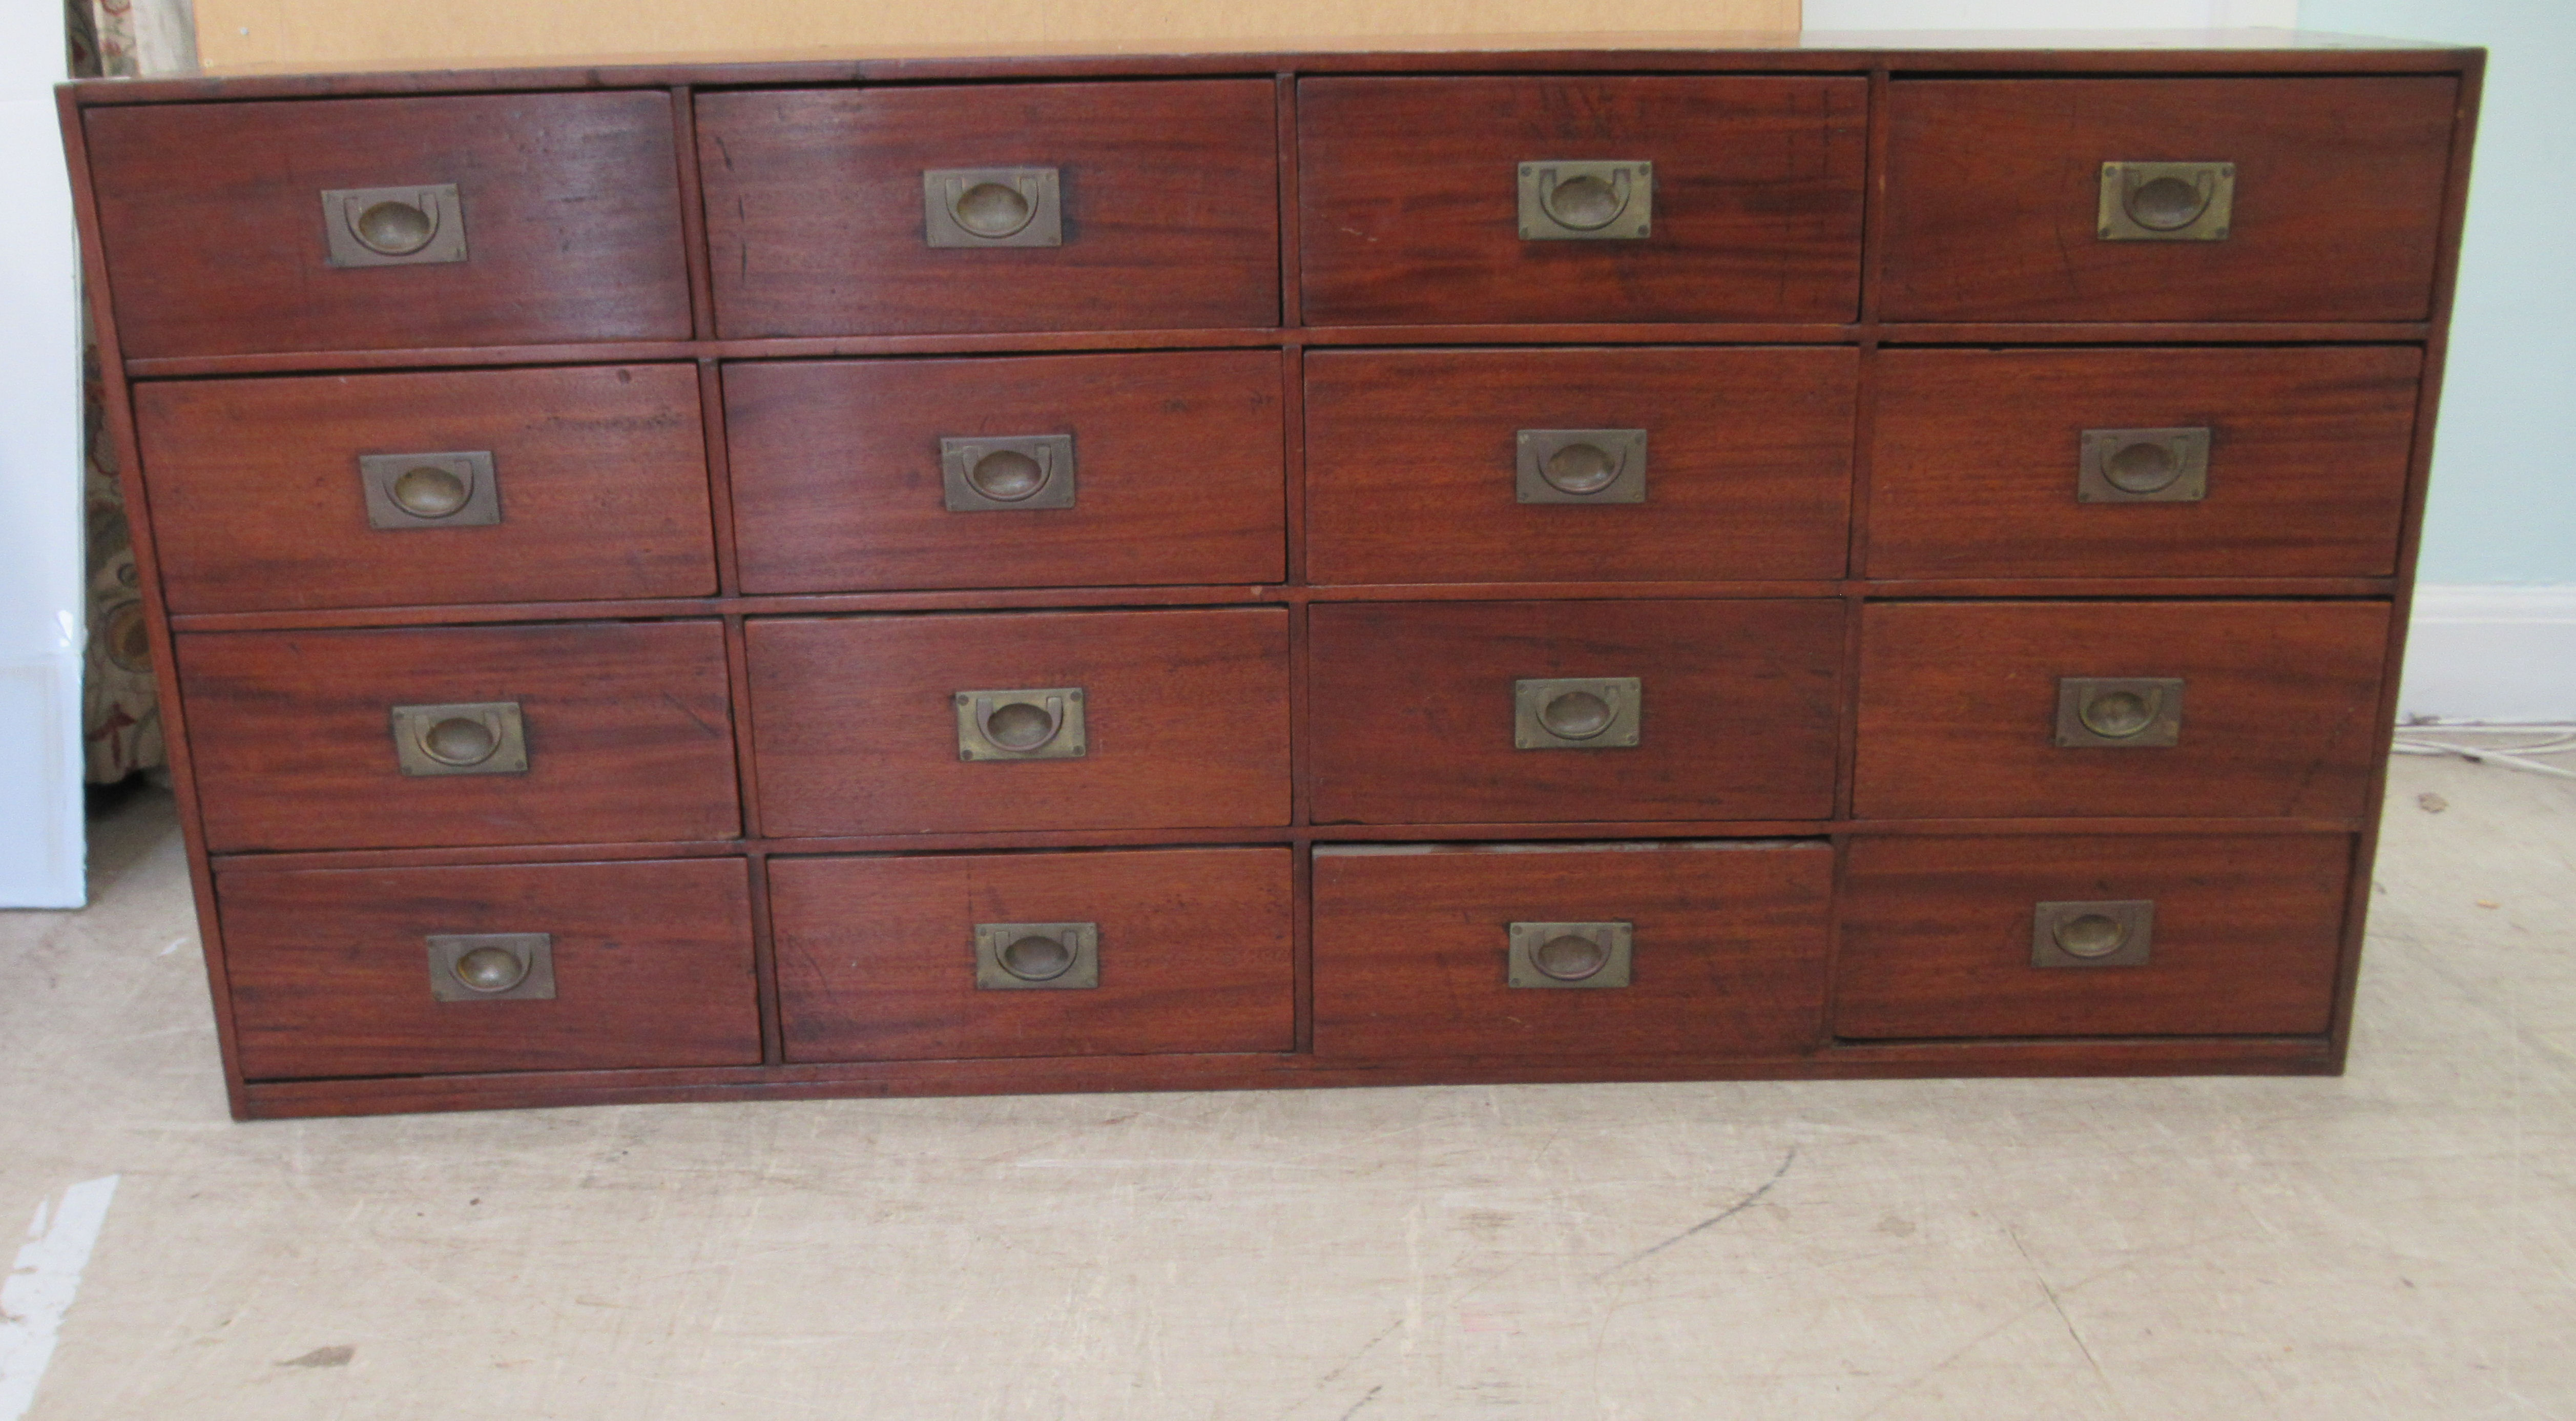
[{"x": 542, "y": 218}]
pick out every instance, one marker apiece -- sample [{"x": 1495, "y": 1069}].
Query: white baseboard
[
  {"x": 2491, "y": 654},
  {"x": 42, "y": 837}
]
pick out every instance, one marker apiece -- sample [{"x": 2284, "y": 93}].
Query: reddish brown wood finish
[
  {"x": 1413, "y": 710},
  {"x": 628, "y": 730},
  {"x": 330, "y": 970},
  {"x": 213, "y": 222},
  {"x": 876, "y": 956},
  {"x": 1410, "y": 464},
  {"x": 1409, "y": 193},
  {"x": 1186, "y": 712},
  {"x": 1974, "y": 457},
  {"x": 1936, "y": 936},
  {"x": 1728, "y": 957},
  {"x": 601, "y": 471},
  {"x": 814, "y": 208},
  {"x": 1177, "y": 473},
  {"x": 1993, "y": 190},
  {"x": 1958, "y": 708}
]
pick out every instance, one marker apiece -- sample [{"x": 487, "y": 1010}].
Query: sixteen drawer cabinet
[{"x": 1551, "y": 564}]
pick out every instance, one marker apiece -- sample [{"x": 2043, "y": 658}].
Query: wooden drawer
[
  {"x": 1415, "y": 711},
  {"x": 1959, "y": 708},
  {"x": 1409, "y": 198},
  {"x": 1944, "y": 937},
  {"x": 218, "y": 242},
  {"x": 1168, "y": 199},
  {"x": 1184, "y": 721},
  {"x": 1994, "y": 198},
  {"x": 1978, "y": 462},
  {"x": 598, "y": 488},
  {"x": 1725, "y": 949},
  {"x": 1414, "y": 464},
  {"x": 626, "y": 728},
  {"x": 841, "y": 480},
  {"x": 333, "y": 972},
  {"x": 878, "y": 958}
]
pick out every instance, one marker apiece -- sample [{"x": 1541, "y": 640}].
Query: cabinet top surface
[{"x": 2263, "y": 51}]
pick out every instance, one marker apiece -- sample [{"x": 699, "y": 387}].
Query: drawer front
[
  {"x": 1724, "y": 950},
  {"x": 1410, "y": 198},
  {"x": 1953, "y": 937},
  {"x": 280, "y": 494},
  {"x": 1996, "y": 202},
  {"x": 1418, "y": 468},
  {"x": 1960, "y": 709},
  {"x": 625, "y": 730},
  {"x": 547, "y": 217},
  {"x": 843, "y": 477},
  {"x": 2045, "y": 463},
  {"x": 342, "y": 972},
  {"x": 1417, "y": 711},
  {"x": 1182, "y": 721},
  {"x": 1189, "y": 950},
  {"x": 1165, "y": 197}
]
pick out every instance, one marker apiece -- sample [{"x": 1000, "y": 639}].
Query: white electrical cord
[{"x": 2435, "y": 739}]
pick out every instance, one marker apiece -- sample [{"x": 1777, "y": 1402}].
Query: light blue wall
[{"x": 2503, "y": 506}]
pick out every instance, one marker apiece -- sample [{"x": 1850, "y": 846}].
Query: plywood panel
[{"x": 329, "y": 34}]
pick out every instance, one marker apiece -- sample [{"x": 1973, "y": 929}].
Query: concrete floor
[{"x": 2400, "y": 1242}]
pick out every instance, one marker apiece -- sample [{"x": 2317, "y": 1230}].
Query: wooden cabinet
[{"x": 1554, "y": 563}]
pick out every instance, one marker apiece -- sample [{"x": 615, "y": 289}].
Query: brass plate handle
[
  {"x": 1012, "y": 957},
  {"x": 1580, "y": 955},
  {"x": 451, "y": 490},
  {"x": 1000, "y": 473},
  {"x": 2117, "y": 932},
  {"x": 492, "y": 967},
  {"x": 2169, "y": 465},
  {"x": 1580, "y": 466},
  {"x": 1047, "y": 723},
  {"x": 992, "y": 207},
  {"x": 460, "y": 738},
  {"x": 1570, "y": 200},
  {"x": 2119, "y": 712},
  {"x": 419, "y": 225},
  {"x": 1577, "y": 713},
  {"x": 2166, "y": 202}
]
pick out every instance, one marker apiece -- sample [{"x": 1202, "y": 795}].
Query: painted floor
[{"x": 2400, "y": 1242}]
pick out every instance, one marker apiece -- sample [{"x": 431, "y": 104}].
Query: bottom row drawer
[{"x": 1710, "y": 950}]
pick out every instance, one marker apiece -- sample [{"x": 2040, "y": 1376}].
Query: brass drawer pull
[
  {"x": 451, "y": 490},
  {"x": 1045, "y": 956},
  {"x": 1577, "y": 713},
  {"x": 463, "y": 738},
  {"x": 1576, "y": 201},
  {"x": 492, "y": 967},
  {"x": 2119, "y": 712},
  {"x": 1571, "y": 954},
  {"x": 1581, "y": 466},
  {"x": 2166, "y": 202},
  {"x": 394, "y": 226},
  {"x": 1042, "y": 724},
  {"x": 2143, "y": 465},
  {"x": 2101, "y": 933},
  {"x": 1005, "y": 472},
  {"x": 992, "y": 207}
]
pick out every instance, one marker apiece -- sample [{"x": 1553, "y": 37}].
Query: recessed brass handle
[
  {"x": 1580, "y": 465},
  {"x": 992, "y": 207},
  {"x": 394, "y": 226},
  {"x": 2093, "y": 933},
  {"x": 489, "y": 967},
  {"x": 2166, "y": 202},
  {"x": 1577, "y": 713},
  {"x": 2169, "y": 465},
  {"x": 460, "y": 738},
  {"x": 1000, "y": 473},
  {"x": 1568, "y": 200},
  {"x": 457, "y": 489},
  {"x": 1022, "y": 956},
  {"x": 2119, "y": 712},
  {"x": 1046, "y": 723},
  {"x": 1570, "y": 954}
]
